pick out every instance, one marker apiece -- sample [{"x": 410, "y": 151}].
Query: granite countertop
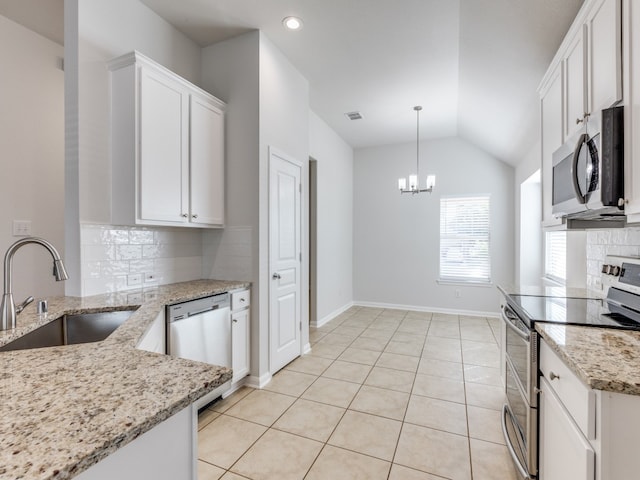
[
  {"x": 603, "y": 358},
  {"x": 63, "y": 409}
]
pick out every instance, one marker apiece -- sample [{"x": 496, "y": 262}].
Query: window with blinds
[
  {"x": 464, "y": 239},
  {"x": 555, "y": 256}
]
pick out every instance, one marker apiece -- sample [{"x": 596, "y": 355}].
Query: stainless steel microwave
[{"x": 588, "y": 170}]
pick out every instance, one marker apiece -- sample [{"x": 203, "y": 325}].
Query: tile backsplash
[
  {"x": 117, "y": 258},
  {"x": 600, "y": 243}
]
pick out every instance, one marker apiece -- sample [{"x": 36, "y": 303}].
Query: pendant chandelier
[{"x": 414, "y": 179}]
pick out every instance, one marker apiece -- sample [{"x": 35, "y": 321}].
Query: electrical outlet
[
  {"x": 150, "y": 278},
  {"x": 135, "y": 279},
  {"x": 458, "y": 293},
  {"x": 21, "y": 228}
]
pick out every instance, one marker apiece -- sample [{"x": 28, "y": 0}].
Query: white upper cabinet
[
  {"x": 604, "y": 54},
  {"x": 207, "y": 162},
  {"x": 164, "y": 155},
  {"x": 552, "y": 138},
  {"x": 167, "y": 148},
  {"x": 593, "y": 64},
  {"x": 575, "y": 80},
  {"x": 631, "y": 84},
  {"x": 584, "y": 78}
]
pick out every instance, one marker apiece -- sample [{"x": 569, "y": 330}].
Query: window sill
[{"x": 463, "y": 283}]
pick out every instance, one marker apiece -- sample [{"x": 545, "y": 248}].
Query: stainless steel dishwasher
[{"x": 201, "y": 330}]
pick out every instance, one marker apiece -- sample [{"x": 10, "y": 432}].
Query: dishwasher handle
[{"x": 198, "y": 312}]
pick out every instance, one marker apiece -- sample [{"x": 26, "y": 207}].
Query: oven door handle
[
  {"x": 507, "y": 320},
  {"x": 512, "y": 452}
]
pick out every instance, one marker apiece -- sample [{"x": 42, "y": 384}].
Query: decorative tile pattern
[{"x": 110, "y": 254}]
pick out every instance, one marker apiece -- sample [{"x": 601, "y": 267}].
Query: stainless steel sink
[{"x": 70, "y": 330}]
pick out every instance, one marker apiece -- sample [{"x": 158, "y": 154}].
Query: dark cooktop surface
[{"x": 574, "y": 311}]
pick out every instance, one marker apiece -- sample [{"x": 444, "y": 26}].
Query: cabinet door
[
  {"x": 551, "y": 115},
  {"x": 574, "y": 71},
  {"x": 240, "y": 344},
  {"x": 163, "y": 143},
  {"x": 632, "y": 110},
  {"x": 564, "y": 452},
  {"x": 604, "y": 55},
  {"x": 207, "y": 163}
]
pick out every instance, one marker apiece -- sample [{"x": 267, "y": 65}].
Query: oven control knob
[
  {"x": 606, "y": 269},
  {"x": 615, "y": 271}
]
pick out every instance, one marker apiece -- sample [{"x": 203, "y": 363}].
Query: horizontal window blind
[
  {"x": 555, "y": 256},
  {"x": 464, "y": 239}
]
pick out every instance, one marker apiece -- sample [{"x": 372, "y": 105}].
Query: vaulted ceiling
[{"x": 473, "y": 65}]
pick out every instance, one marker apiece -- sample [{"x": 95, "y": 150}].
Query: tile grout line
[{"x": 361, "y": 384}]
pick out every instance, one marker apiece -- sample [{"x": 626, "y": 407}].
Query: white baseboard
[
  {"x": 331, "y": 316},
  {"x": 415, "y": 308},
  {"x": 258, "y": 382},
  {"x": 306, "y": 349}
]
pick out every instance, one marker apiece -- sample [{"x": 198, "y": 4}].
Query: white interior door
[{"x": 285, "y": 231}]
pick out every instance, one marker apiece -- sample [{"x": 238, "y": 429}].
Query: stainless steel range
[{"x": 618, "y": 308}]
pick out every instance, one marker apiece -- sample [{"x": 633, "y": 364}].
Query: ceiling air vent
[{"x": 354, "y": 115}]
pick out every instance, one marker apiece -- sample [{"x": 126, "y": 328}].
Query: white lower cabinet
[
  {"x": 585, "y": 434},
  {"x": 240, "y": 334},
  {"x": 166, "y": 452},
  {"x": 565, "y": 454}
]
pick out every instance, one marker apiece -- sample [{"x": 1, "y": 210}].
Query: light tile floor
[{"x": 384, "y": 394}]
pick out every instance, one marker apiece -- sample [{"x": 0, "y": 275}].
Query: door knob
[{"x": 276, "y": 276}]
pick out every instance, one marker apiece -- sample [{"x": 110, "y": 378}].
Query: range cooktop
[
  {"x": 620, "y": 309},
  {"x": 575, "y": 311}
]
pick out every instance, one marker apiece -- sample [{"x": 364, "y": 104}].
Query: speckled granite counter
[
  {"x": 603, "y": 358},
  {"x": 63, "y": 409}
]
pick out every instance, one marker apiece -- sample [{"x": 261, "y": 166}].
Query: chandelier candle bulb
[
  {"x": 402, "y": 183},
  {"x": 413, "y": 182},
  {"x": 431, "y": 182}
]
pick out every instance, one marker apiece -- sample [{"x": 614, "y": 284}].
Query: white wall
[
  {"x": 284, "y": 125},
  {"x": 32, "y": 146},
  {"x": 529, "y": 254},
  {"x": 230, "y": 70},
  {"x": 396, "y": 237},
  {"x": 334, "y": 219},
  {"x": 268, "y": 106},
  {"x": 529, "y": 165},
  {"x": 97, "y": 31}
]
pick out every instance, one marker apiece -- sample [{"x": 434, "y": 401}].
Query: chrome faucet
[{"x": 8, "y": 309}]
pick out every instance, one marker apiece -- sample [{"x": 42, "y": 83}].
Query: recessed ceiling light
[{"x": 292, "y": 23}]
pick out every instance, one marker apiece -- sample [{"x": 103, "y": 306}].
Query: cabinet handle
[
  {"x": 579, "y": 121},
  {"x": 194, "y": 215},
  {"x": 184, "y": 215},
  {"x": 553, "y": 376},
  {"x": 235, "y": 320}
]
